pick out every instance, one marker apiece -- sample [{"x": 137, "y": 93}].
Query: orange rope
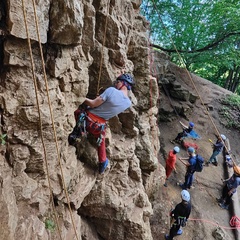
[
  {"x": 50, "y": 108},
  {"x": 40, "y": 118},
  {"x": 104, "y": 40}
]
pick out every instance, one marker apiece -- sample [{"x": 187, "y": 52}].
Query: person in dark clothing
[
  {"x": 190, "y": 165},
  {"x": 184, "y": 133},
  {"x": 230, "y": 188},
  {"x": 179, "y": 216},
  {"x": 217, "y": 149}
]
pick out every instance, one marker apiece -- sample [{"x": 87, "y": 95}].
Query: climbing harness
[
  {"x": 182, "y": 221},
  {"x": 87, "y": 120}
]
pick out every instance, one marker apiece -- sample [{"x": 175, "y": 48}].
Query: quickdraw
[
  {"x": 81, "y": 124},
  {"x": 100, "y": 138}
]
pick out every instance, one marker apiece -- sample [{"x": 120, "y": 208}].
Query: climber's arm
[{"x": 94, "y": 102}]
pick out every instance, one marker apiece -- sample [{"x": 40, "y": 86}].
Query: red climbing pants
[
  {"x": 97, "y": 127},
  {"x": 168, "y": 170}
]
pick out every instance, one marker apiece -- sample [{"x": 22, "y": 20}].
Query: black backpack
[{"x": 199, "y": 163}]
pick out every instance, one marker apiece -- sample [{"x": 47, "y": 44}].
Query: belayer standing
[
  {"x": 110, "y": 103},
  {"x": 170, "y": 163},
  {"x": 191, "y": 168},
  {"x": 179, "y": 215},
  {"x": 230, "y": 188},
  {"x": 184, "y": 133},
  {"x": 217, "y": 149}
]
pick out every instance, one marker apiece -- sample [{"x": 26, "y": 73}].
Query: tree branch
[{"x": 206, "y": 48}]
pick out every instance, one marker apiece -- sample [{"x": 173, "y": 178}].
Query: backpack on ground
[{"x": 199, "y": 163}]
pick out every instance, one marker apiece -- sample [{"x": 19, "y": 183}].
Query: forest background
[{"x": 202, "y": 36}]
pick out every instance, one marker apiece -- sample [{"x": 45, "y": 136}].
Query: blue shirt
[
  {"x": 218, "y": 146},
  {"x": 114, "y": 103},
  {"x": 192, "y": 161}
]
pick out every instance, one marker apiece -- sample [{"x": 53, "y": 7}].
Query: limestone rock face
[
  {"x": 66, "y": 19},
  {"x": 18, "y": 15},
  {"x": 49, "y": 189}
]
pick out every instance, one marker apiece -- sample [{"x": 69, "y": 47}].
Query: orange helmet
[{"x": 236, "y": 170}]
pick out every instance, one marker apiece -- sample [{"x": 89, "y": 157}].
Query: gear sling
[{"x": 87, "y": 122}]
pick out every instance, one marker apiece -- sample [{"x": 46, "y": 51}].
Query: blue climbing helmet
[
  {"x": 191, "y": 150},
  {"x": 176, "y": 149},
  {"x": 191, "y": 124},
  {"x": 127, "y": 79}
]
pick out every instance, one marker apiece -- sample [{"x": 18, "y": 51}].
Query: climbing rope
[
  {"x": 103, "y": 44},
  {"x": 52, "y": 120},
  {"x": 40, "y": 118},
  {"x": 50, "y": 108},
  {"x": 152, "y": 70},
  {"x": 212, "y": 223},
  {"x": 235, "y": 222}
]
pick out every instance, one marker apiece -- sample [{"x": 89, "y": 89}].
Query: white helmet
[
  {"x": 185, "y": 195},
  {"x": 176, "y": 149},
  {"x": 223, "y": 137}
]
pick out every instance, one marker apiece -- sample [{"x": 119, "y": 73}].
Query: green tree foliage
[{"x": 205, "y": 33}]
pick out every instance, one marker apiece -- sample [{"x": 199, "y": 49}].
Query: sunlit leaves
[{"x": 207, "y": 33}]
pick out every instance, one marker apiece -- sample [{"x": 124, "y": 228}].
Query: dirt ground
[{"x": 206, "y": 215}]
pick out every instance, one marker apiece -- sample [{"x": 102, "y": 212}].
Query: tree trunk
[
  {"x": 236, "y": 80},
  {"x": 229, "y": 80}
]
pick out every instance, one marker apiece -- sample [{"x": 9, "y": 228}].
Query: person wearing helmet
[
  {"x": 217, "y": 149},
  {"x": 170, "y": 162},
  {"x": 179, "y": 215},
  {"x": 184, "y": 133},
  {"x": 110, "y": 103},
  {"x": 230, "y": 188},
  {"x": 127, "y": 80},
  {"x": 190, "y": 165}
]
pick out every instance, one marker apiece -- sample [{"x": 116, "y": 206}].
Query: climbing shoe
[
  {"x": 179, "y": 232},
  {"x": 103, "y": 166},
  {"x": 74, "y": 136},
  {"x": 72, "y": 139}
]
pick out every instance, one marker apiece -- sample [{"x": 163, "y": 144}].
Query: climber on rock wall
[{"x": 92, "y": 119}]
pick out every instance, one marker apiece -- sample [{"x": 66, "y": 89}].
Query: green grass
[
  {"x": 230, "y": 111},
  {"x": 233, "y": 100},
  {"x": 50, "y": 225}
]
